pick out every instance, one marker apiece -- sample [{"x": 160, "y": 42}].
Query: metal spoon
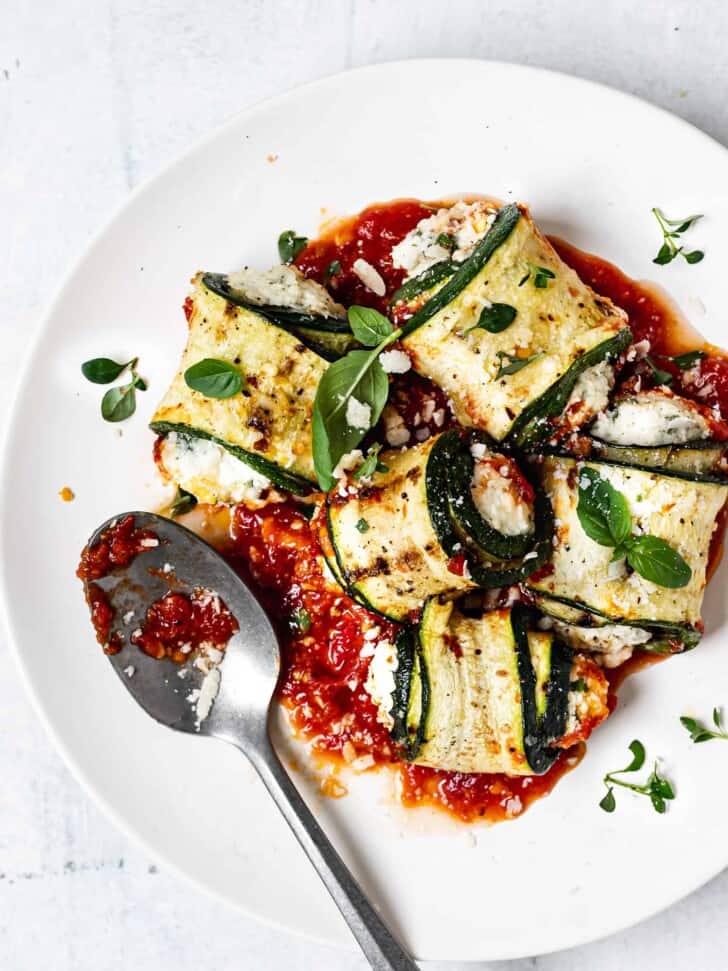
[{"x": 240, "y": 710}]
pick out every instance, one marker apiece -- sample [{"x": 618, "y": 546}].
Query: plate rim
[{"x": 12, "y": 430}]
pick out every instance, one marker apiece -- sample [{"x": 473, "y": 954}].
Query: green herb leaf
[
  {"x": 686, "y": 361},
  {"x": 119, "y": 403},
  {"x": 370, "y": 464},
  {"x": 658, "y": 562},
  {"x": 514, "y": 364},
  {"x": 495, "y": 318},
  {"x": 362, "y": 525},
  {"x": 358, "y": 374},
  {"x": 333, "y": 269},
  {"x": 182, "y": 503},
  {"x": 701, "y": 733},
  {"x": 102, "y": 370},
  {"x": 602, "y": 510},
  {"x": 638, "y": 756},
  {"x": 609, "y": 803},
  {"x": 447, "y": 242},
  {"x": 290, "y": 245},
  {"x": 368, "y": 325},
  {"x": 542, "y": 277},
  {"x": 657, "y": 789},
  {"x": 673, "y": 229},
  {"x": 214, "y": 378},
  {"x": 665, "y": 254},
  {"x": 578, "y": 685},
  {"x": 660, "y": 377}
]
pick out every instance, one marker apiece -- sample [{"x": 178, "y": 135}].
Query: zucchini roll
[
  {"x": 489, "y": 693},
  {"x": 521, "y": 346},
  {"x": 660, "y": 430},
  {"x": 586, "y": 587},
  {"x": 291, "y": 301},
  {"x": 233, "y": 448},
  {"x": 448, "y": 515}
]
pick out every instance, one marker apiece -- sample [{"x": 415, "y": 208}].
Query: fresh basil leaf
[
  {"x": 370, "y": 463},
  {"x": 290, "y": 245},
  {"x": 362, "y": 525},
  {"x": 102, "y": 370},
  {"x": 686, "y": 361},
  {"x": 658, "y": 562},
  {"x": 358, "y": 374},
  {"x": 495, "y": 318},
  {"x": 182, "y": 503},
  {"x": 119, "y": 403},
  {"x": 609, "y": 803},
  {"x": 602, "y": 510},
  {"x": 514, "y": 365},
  {"x": 695, "y": 257},
  {"x": 638, "y": 756},
  {"x": 368, "y": 325},
  {"x": 214, "y": 378},
  {"x": 333, "y": 269}
]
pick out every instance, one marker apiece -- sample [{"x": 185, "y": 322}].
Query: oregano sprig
[
  {"x": 672, "y": 229},
  {"x": 702, "y": 733},
  {"x": 657, "y": 788},
  {"x": 541, "y": 276},
  {"x": 605, "y": 518},
  {"x": 290, "y": 245},
  {"x": 358, "y": 375},
  {"x": 118, "y": 403}
]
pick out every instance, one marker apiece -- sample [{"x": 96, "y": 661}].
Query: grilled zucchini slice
[
  {"x": 292, "y": 302},
  {"x": 267, "y": 426},
  {"x": 561, "y": 328},
  {"x": 416, "y": 531},
  {"x": 582, "y": 577},
  {"x": 498, "y": 695}
]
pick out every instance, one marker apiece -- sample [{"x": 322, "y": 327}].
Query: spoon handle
[{"x": 379, "y": 946}]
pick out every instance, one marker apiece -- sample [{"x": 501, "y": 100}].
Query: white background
[{"x": 94, "y": 97}]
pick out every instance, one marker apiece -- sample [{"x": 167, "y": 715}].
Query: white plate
[{"x": 591, "y": 162}]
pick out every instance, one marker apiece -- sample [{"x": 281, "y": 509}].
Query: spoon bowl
[{"x": 229, "y": 700}]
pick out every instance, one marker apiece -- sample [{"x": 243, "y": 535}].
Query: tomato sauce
[
  {"x": 178, "y": 624},
  {"x": 116, "y": 547},
  {"x": 369, "y": 236}
]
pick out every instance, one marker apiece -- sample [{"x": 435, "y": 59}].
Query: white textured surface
[{"x": 96, "y": 96}]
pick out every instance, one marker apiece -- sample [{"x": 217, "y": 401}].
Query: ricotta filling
[
  {"x": 465, "y": 224},
  {"x": 590, "y": 394},
  {"x": 497, "y": 496},
  {"x": 209, "y": 471},
  {"x": 379, "y": 684},
  {"x": 285, "y": 286},
  {"x": 615, "y": 642},
  {"x": 651, "y": 419}
]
